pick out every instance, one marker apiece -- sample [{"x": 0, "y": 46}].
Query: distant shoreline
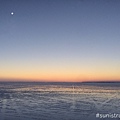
[{"x": 59, "y": 82}]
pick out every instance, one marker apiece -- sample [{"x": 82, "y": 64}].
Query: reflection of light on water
[{"x": 73, "y": 103}]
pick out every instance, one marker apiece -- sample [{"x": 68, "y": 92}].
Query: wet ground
[{"x": 38, "y": 101}]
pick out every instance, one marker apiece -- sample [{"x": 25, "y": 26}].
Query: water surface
[{"x": 58, "y": 101}]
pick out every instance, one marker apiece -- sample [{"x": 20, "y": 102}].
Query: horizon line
[{"x": 42, "y": 81}]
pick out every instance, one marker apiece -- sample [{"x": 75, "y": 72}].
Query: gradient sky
[{"x": 60, "y": 40}]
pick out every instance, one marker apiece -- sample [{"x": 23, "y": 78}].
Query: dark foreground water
[{"x": 59, "y": 101}]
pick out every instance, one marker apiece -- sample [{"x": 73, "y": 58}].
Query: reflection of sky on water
[{"x": 52, "y": 101}]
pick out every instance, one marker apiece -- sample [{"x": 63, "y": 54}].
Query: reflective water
[{"x": 57, "y": 101}]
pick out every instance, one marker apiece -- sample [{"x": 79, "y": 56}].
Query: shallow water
[{"x": 57, "y": 101}]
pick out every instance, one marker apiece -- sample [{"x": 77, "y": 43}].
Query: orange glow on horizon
[
  {"x": 68, "y": 73},
  {"x": 61, "y": 78}
]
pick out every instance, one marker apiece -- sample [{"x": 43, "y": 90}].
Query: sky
[{"x": 60, "y": 40}]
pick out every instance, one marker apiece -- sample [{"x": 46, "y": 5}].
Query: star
[{"x": 12, "y": 13}]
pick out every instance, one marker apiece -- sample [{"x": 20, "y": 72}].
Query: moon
[{"x": 12, "y": 13}]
